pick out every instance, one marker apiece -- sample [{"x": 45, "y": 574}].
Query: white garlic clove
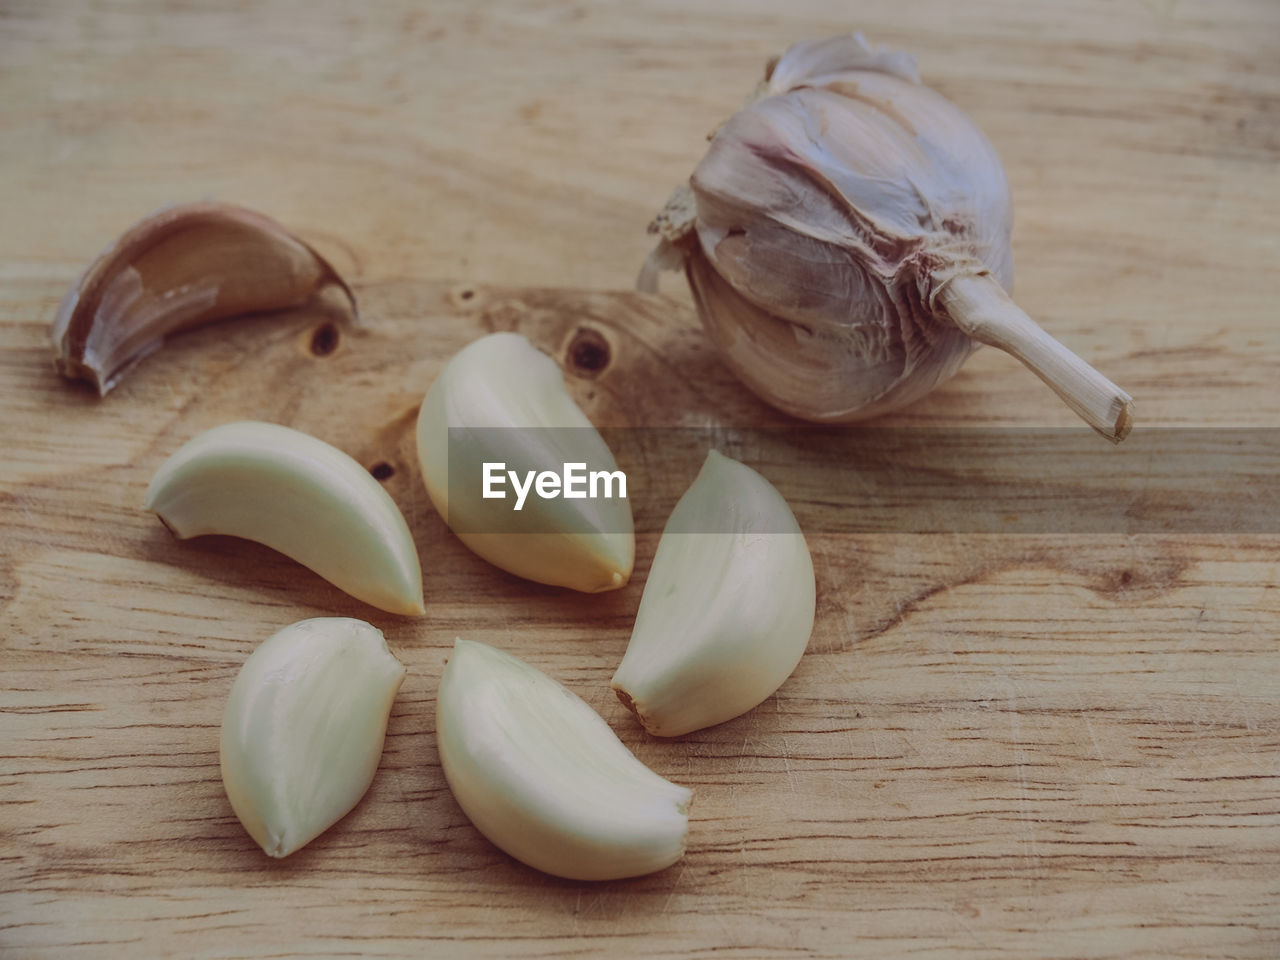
[
  {"x": 542, "y": 776},
  {"x": 298, "y": 495},
  {"x": 180, "y": 268},
  {"x": 728, "y": 607},
  {"x": 501, "y": 400},
  {"x": 847, "y": 240},
  {"x": 304, "y": 727}
]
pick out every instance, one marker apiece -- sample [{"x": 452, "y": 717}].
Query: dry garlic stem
[
  {"x": 298, "y": 495},
  {"x": 180, "y": 268},
  {"x": 847, "y": 240},
  {"x": 545, "y": 779},
  {"x": 979, "y": 307},
  {"x": 727, "y": 609},
  {"x": 304, "y": 727}
]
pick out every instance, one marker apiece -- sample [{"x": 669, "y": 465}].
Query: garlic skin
[
  {"x": 544, "y": 778},
  {"x": 298, "y": 495},
  {"x": 505, "y": 401},
  {"x": 304, "y": 726},
  {"x": 180, "y": 268},
  {"x": 727, "y": 610},
  {"x": 823, "y": 230}
]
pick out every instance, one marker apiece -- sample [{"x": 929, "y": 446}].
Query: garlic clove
[
  {"x": 304, "y": 727},
  {"x": 727, "y": 610},
  {"x": 179, "y": 268},
  {"x": 544, "y": 778},
  {"x": 298, "y": 495},
  {"x": 501, "y": 400},
  {"x": 847, "y": 240}
]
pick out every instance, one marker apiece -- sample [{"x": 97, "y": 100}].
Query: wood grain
[{"x": 1039, "y": 745}]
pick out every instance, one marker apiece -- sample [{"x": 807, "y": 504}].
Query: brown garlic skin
[
  {"x": 182, "y": 267},
  {"x": 847, "y": 240}
]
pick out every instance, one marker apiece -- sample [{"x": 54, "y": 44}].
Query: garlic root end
[
  {"x": 980, "y": 307},
  {"x": 627, "y": 701}
]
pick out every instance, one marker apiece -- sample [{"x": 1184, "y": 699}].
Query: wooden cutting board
[
  {"x": 1037, "y": 744},
  {"x": 992, "y": 738}
]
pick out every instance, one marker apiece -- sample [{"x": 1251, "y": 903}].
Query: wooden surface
[{"x": 1025, "y": 746}]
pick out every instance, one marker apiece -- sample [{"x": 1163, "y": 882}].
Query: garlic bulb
[
  {"x": 847, "y": 240},
  {"x": 544, "y": 778},
  {"x": 304, "y": 726},
  {"x": 728, "y": 607}
]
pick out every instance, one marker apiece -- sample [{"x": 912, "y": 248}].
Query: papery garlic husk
[
  {"x": 304, "y": 727},
  {"x": 182, "y": 267},
  {"x": 545, "y": 779},
  {"x": 727, "y": 610},
  {"x": 847, "y": 240},
  {"x": 296, "y": 494},
  {"x": 502, "y": 400}
]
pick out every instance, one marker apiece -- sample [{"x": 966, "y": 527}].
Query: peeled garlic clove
[
  {"x": 501, "y": 400},
  {"x": 545, "y": 779},
  {"x": 847, "y": 240},
  {"x": 182, "y": 267},
  {"x": 304, "y": 726},
  {"x": 298, "y": 495},
  {"x": 727, "y": 609}
]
